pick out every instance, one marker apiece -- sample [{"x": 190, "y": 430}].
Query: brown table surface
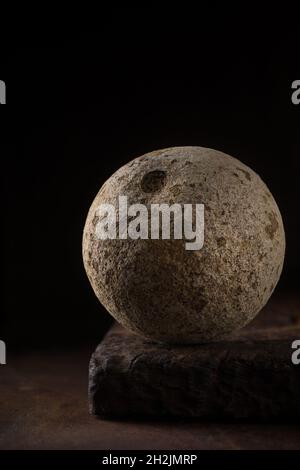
[{"x": 43, "y": 405}]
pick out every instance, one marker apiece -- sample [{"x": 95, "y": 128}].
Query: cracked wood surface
[{"x": 249, "y": 375}]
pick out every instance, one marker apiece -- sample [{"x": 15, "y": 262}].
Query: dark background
[{"x": 79, "y": 106}]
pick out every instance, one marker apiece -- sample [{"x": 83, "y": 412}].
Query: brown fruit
[{"x": 160, "y": 290}]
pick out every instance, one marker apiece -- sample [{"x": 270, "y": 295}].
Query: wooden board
[{"x": 248, "y": 376}]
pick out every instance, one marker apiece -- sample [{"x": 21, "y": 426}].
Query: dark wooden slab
[{"x": 248, "y": 376}]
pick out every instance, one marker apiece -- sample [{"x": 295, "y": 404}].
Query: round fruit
[{"x": 164, "y": 292}]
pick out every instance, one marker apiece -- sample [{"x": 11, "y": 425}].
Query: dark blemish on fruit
[
  {"x": 122, "y": 177},
  {"x": 221, "y": 241},
  {"x": 95, "y": 220},
  {"x": 246, "y": 173},
  {"x": 175, "y": 190},
  {"x": 153, "y": 181},
  {"x": 250, "y": 275},
  {"x": 239, "y": 290},
  {"x": 262, "y": 256},
  {"x": 95, "y": 266},
  {"x": 272, "y": 227}
]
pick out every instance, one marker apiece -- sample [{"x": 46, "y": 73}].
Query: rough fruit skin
[{"x": 161, "y": 291}]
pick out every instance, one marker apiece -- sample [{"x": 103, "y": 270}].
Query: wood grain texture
[{"x": 249, "y": 375}]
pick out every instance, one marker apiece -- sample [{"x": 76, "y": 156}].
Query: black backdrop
[{"x": 79, "y": 106}]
